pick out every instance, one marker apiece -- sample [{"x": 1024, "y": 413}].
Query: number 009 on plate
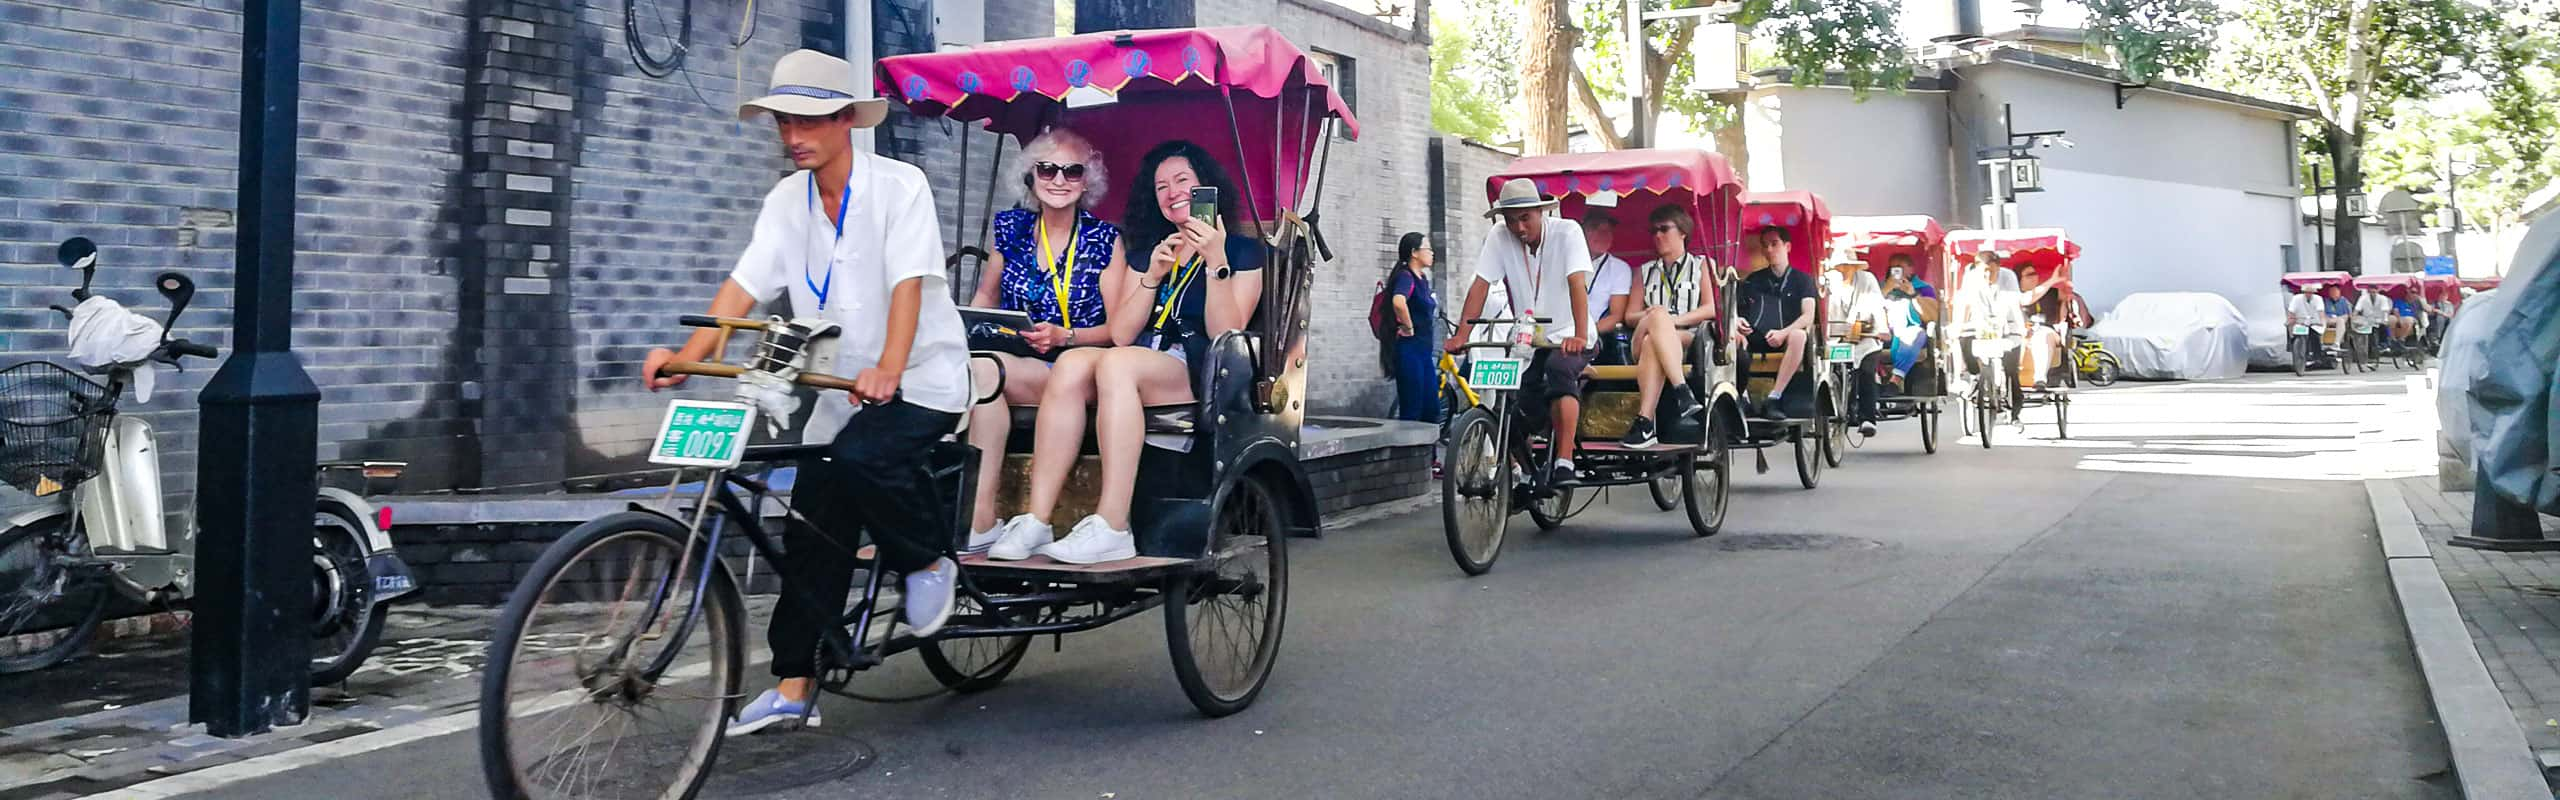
[
  {"x": 1496, "y": 372},
  {"x": 703, "y": 433}
]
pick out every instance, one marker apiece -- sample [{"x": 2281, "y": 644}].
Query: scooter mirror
[
  {"x": 81, "y": 254},
  {"x": 178, "y": 289}
]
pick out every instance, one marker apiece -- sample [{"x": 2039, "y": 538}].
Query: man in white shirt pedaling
[
  {"x": 851, "y": 239},
  {"x": 1547, "y": 267}
]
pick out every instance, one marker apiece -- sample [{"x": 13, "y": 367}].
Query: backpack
[{"x": 1382, "y": 311}]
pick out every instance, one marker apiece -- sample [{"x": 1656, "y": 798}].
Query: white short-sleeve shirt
[
  {"x": 1609, "y": 279},
  {"x": 1538, "y": 285},
  {"x": 890, "y": 236}
]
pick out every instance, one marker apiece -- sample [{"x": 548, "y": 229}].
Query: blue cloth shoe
[{"x": 771, "y": 709}]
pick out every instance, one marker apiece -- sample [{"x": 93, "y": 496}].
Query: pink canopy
[
  {"x": 1803, "y": 214},
  {"x": 2480, "y": 284},
  {"x": 2441, "y": 286},
  {"x": 2399, "y": 285},
  {"x": 1876, "y": 240},
  {"x": 2294, "y": 281},
  {"x": 1138, "y": 89},
  {"x": 1640, "y": 181}
]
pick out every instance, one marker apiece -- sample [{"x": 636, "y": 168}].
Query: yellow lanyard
[
  {"x": 1179, "y": 283},
  {"x": 1668, "y": 283},
  {"x": 1061, "y": 273}
]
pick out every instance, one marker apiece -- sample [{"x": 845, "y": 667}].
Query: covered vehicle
[
  {"x": 2264, "y": 316},
  {"x": 2505, "y": 412},
  {"x": 2177, "y": 336}
]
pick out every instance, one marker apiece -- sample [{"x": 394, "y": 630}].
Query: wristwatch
[{"x": 1223, "y": 272}]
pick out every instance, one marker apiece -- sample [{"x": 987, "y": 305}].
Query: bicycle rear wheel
[
  {"x": 43, "y": 606},
  {"x": 613, "y": 667}
]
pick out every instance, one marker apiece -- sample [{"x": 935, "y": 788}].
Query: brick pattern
[
  {"x": 2510, "y": 600},
  {"x": 1366, "y": 478}
]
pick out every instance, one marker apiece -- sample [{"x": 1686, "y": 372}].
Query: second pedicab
[
  {"x": 1494, "y": 462},
  {"x": 1906, "y": 254},
  {"x": 2380, "y": 346},
  {"x": 2003, "y": 336},
  {"x": 1812, "y": 429}
]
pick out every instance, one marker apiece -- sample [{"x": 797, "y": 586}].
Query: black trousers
[
  {"x": 871, "y": 483},
  {"x": 1863, "y": 389}
]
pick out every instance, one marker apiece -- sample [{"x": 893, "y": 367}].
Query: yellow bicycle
[{"x": 2090, "y": 358}]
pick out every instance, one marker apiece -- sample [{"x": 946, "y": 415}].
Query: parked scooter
[{"x": 101, "y": 525}]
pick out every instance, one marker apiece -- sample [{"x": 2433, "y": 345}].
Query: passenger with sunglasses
[
  {"x": 1666, "y": 309},
  {"x": 1047, "y": 261}
]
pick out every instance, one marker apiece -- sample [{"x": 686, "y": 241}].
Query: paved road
[{"x": 2153, "y": 609}]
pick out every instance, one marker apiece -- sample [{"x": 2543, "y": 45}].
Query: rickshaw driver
[
  {"x": 851, "y": 238},
  {"x": 2372, "y": 313},
  {"x": 2306, "y": 309},
  {"x": 1547, "y": 266},
  {"x": 1777, "y": 315}
]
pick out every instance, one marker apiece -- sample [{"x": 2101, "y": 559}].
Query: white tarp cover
[
  {"x": 2190, "y": 336},
  {"x": 104, "y": 333},
  {"x": 2265, "y": 316},
  {"x": 2508, "y": 385}
]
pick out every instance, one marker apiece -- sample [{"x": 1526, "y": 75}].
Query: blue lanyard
[{"x": 842, "y": 208}]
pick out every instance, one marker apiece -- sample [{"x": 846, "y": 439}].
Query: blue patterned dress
[{"x": 1027, "y": 285}]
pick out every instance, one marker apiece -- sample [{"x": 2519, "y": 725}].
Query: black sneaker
[
  {"x": 1639, "y": 434},
  {"x": 1771, "y": 411},
  {"x": 1686, "y": 400},
  {"x": 1561, "y": 475}
]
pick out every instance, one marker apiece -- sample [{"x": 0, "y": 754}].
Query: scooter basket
[{"x": 48, "y": 424}]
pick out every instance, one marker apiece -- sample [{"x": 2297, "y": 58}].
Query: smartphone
[
  {"x": 1204, "y": 203},
  {"x": 1893, "y": 274}
]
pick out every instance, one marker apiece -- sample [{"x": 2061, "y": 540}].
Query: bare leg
[
  {"x": 1794, "y": 357},
  {"x": 991, "y": 424},
  {"x": 1128, "y": 380},
  {"x": 1648, "y": 379},
  {"x": 1568, "y": 413},
  {"x": 1059, "y": 435}
]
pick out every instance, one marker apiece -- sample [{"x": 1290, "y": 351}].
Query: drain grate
[
  {"x": 1735, "y": 542},
  {"x": 758, "y": 765}
]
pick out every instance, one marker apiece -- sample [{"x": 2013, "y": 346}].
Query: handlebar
[
  {"x": 810, "y": 379},
  {"x": 184, "y": 348},
  {"x": 1509, "y": 321}
]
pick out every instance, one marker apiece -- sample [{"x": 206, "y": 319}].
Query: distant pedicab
[
  {"x": 652, "y": 624},
  {"x": 1907, "y": 255},
  {"x": 1993, "y": 347},
  {"x": 2306, "y": 348},
  {"x": 2381, "y": 346},
  {"x": 1494, "y": 459},
  {"x": 1814, "y": 429}
]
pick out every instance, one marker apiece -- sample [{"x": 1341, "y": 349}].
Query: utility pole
[
  {"x": 1631, "y": 31},
  {"x": 251, "y": 654},
  {"x": 2453, "y": 213}
]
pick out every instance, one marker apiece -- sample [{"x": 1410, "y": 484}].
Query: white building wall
[
  {"x": 1887, "y": 155},
  {"x": 2154, "y": 236}
]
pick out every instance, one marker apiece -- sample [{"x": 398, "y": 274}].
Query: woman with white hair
[{"x": 1046, "y": 260}]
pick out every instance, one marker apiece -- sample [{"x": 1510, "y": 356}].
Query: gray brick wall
[{"x": 1376, "y": 188}]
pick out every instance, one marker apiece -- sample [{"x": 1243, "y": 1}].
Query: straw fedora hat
[
  {"x": 1518, "y": 194},
  {"x": 808, "y": 83}
]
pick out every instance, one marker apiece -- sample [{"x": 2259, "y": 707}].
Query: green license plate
[
  {"x": 1496, "y": 373},
  {"x": 702, "y": 433},
  {"x": 1839, "y": 352}
]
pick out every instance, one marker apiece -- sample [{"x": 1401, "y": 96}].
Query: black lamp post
[{"x": 255, "y": 475}]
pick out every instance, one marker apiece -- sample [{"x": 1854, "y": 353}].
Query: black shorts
[{"x": 1554, "y": 375}]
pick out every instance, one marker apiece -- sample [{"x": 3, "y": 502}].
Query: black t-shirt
[
  {"x": 1188, "y": 319},
  {"x": 1772, "y": 298}
]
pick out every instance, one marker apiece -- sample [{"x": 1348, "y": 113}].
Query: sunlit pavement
[{"x": 2182, "y": 600}]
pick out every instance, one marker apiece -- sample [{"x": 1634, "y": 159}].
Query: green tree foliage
[
  {"x": 2155, "y": 38},
  {"x": 2499, "y": 130},
  {"x": 1467, "y": 99}
]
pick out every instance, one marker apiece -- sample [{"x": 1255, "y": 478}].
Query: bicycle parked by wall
[{"x": 99, "y": 531}]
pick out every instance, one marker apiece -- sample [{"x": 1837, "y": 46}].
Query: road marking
[{"x": 211, "y": 778}]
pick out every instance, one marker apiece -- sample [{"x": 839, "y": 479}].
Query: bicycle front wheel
[
  {"x": 45, "y": 608},
  {"x": 613, "y": 667}
]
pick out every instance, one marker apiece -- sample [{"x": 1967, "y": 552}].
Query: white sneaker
[
  {"x": 979, "y": 541},
  {"x": 1092, "y": 542},
  {"x": 1019, "y": 537}
]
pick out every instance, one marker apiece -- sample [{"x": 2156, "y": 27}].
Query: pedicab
[
  {"x": 1812, "y": 428},
  {"x": 2480, "y": 284},
  {"x": 1220, "y": 488},
  {"x": 1877, "y": 241},
  {"x": 2439, "y": 291},
  {"x": 1495, "y": 459},
  {"x": 1994, "y": 391},
  {"x": 2380, "y": 345},
  {"x": 2310, "y": 349}
]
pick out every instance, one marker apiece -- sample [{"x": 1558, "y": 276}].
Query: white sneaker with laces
[
  {"x": 929, "y": 596},
  {"x": 1092, "y": 542},
  {"x": 1019, "y": 537}
]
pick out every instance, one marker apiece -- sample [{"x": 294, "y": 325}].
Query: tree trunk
[
  {"x": 1594, "y": 118},
  {"x": 1546, "y": 55},
  {"x": 2346, "y": 153},
  {"x": 1730, "y": 140}
]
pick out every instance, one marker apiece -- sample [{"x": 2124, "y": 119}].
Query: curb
[
  {"x": 2490, "y": 757},
  {"x": 148, "y": 623}
]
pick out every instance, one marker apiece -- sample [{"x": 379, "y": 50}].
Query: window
[{"x": 1343, "y": 74}]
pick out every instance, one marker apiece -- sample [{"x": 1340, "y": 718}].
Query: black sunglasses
[
  {"x": 1665, "y": 228},
  {"x": 1048, "y": 171}
]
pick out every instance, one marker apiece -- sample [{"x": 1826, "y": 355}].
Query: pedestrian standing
[{"x": 1412, "y": 360}]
